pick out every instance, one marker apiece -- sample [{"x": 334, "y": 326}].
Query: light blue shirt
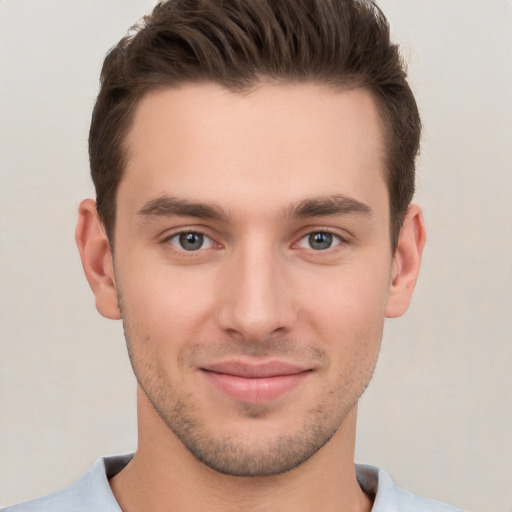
[{"x": 91, "y": 492}]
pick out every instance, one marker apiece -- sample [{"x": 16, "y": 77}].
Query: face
[{"x": 253, "y": 266}]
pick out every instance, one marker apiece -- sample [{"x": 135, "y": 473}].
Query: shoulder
[
  {"x": 90, "y": 492},
  {"x": 390, "y": 497}
]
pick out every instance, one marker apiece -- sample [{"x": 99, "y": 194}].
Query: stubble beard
[{"x": 231, "y": 454}]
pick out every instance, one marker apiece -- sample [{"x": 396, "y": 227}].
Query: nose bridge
[{"x": 255, "y": 302}]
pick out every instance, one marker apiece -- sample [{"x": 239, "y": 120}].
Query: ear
[
  {"x": 94, "y": 249},
  {"x": 406, "y": 262}
]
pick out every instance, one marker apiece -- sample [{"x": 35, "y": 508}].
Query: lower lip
[{"x": 257, "y": 390}]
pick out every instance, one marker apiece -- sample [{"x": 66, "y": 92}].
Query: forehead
[{"x": 276, "y": 142}]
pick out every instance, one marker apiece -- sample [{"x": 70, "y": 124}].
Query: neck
[{"x": 163, "y": 475}]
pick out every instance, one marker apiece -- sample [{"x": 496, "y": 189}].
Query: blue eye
[
  {"x": 319, "y": 241},
  {"x": 191, "y": 241}
]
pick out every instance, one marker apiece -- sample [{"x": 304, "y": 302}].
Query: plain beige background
[{"x": 438, "y": 414}]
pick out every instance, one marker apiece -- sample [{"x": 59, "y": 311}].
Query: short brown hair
[{"x": 240, "y": 43}]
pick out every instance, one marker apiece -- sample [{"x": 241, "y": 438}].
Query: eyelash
[
  {"x": 179, "y": 247},
  {"x": 333, "y": 240}
]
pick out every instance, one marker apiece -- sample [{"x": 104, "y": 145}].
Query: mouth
[{"x": 255, "y": 383}]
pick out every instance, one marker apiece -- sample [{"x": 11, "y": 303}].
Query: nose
[{"x": 257, "y": 300}]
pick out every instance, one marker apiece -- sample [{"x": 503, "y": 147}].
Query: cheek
[
  {"x": 348, "y": 313},
  {"x": 166, "y": 305},
  {"x": 355, "y": 294},
  {"x": 161, "y": 317}
]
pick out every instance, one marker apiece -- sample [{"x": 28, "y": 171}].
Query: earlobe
[
  {"x": 406, "y": 262},
  {"x": 96, "y": 257}
]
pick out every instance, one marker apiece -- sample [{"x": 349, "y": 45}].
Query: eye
[
  {"x": 319, "y": 241},
  {"x": 190, "y": 241}
]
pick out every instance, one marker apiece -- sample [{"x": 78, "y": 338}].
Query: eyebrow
[
  {"x": 327, "y": 205},
  {"x": 168, "y": 206}
]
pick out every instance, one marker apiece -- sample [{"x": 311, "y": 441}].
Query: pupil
[
  {"x": 191, "y": 241},
  {"x": 320, "y": 241}
]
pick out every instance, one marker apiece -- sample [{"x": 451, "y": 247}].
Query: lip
[{"x": 255, "y": 383}]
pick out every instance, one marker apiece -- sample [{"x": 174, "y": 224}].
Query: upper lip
[{"x": 255, "y": 370}]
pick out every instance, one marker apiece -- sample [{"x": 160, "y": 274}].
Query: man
[{"x": 254, "y": 169}]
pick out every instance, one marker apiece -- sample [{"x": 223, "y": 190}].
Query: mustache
[{"x": 269, "y": 348}]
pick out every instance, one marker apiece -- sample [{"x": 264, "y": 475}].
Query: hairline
[{"x": 336, "y": 87}]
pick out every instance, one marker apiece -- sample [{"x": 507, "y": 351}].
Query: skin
[{"x": 286, "y": 187}]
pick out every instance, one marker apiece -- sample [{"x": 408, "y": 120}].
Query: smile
[{"x": 255, "y": 383}]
